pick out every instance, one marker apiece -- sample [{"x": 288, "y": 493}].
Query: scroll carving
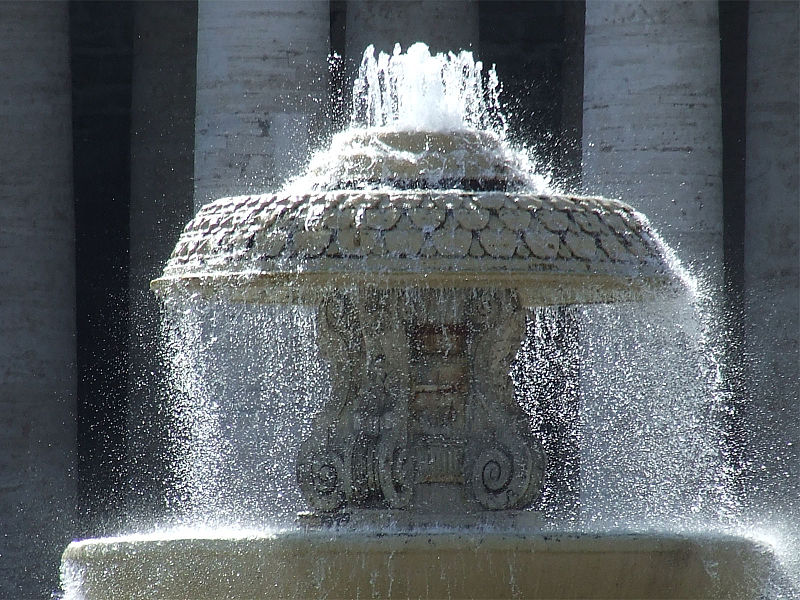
[{"x": 422, "y": 405}]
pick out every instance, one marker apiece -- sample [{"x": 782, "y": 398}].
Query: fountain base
[{"x": 427, "y": 564}]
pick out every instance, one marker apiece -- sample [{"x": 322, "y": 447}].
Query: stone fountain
[{"x": 421, "y": 251}]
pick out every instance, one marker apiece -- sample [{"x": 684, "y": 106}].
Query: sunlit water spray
[
  {"x": 247, "y": 379},
  {"x": 431, "y": 95},
  {"x": 417, "y": 91}
]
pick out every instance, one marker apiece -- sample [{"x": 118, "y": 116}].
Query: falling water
[{"x": 247, "y": 378}]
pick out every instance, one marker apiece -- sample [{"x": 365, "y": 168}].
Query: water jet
[{"x": 420, "y": 241}]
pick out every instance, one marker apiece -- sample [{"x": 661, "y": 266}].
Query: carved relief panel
[{"x": 421, "y": 415}]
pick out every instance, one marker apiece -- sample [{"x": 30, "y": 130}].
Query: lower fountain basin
[{"x": 337, "y": 564}]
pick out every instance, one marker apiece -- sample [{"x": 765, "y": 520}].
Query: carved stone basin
[{"x": 551, "y": 249}]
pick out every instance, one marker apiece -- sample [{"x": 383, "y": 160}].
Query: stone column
[
  {"x": 442, "y": 25},
  {"x": 772, "y": 255},
  {"x": 652, "y": 137},
  {"x": 652, "y": 119},
  {"x": 261, "y": 82},
  {"x": 37, "y": 298},
  {"x": 162, "y": 153}
]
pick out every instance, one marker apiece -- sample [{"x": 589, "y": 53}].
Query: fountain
[{"x": 420, "y": 240}]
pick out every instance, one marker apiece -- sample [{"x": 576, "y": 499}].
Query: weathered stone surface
[
  {"x": 612, "y": 246},
  {"x": 253, "y": 139},
  {"x": 371, "y": 241},
  {"x": 404, "y": 242},
  {"x": 475, "y": 248},
  {"x": 528, "y": 201},
  {"x": 271, "y": 243},
  {"x": 615, "y": 222},
  {"x": 498, "y": 242},
  {"x": 491, "y": 200},
  {"x": 661, "y": 152},
  {"x": 516, "y": 219},
  {"x": 311, "y": 243},
  {"x": 452, "y": 241},
  {"x": 390, "y": 232},
  {"x": 636, "y": 247},
  {"x": 587, "y": 221},
  {"x": 564, "y": 203},
  {"x": 426, "y": 218},
  {"x": 554, "y": 220},
  {"x": 447, "y": 201},
  {"x": 431, "y": 424},
  {"x": 339, "y": 219},
  {"x": 381, "y": 218},
  {"x": 542, "y": 243},
  {"x": 428, "y": 250},
  {"x": 471, "y": 217},
  {"x": 455, "y": 564},
  {"x": 349, "y": 241},
  {"x": 581, "y": 246}
]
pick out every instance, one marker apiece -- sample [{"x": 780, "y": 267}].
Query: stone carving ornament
[{"x": 432, "y": 421}]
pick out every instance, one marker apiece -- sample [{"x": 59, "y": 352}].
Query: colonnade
[
  {"x": 258, "y": 80},
  {"x": 261, "y": 84},
  {"x": 652, "y": 136}
]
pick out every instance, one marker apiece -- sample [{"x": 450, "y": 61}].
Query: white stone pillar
[
  {"x": 652, "y": 132},
  {"x": 261, "y": 83},
  {"x": 443, "y": 25},
  {"x": 162, "y": 152},
  {"x": 652, "y": 136},
  {"x": 772, "y": 255},
  {"x": 37, "y": 298}
]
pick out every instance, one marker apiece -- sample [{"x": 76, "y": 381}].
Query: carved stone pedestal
[{"x": 421, "y": 416}]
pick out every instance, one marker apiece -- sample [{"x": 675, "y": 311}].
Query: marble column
[
  {"x": 37, "y": 298},
  {"x": 261, "y": 83},
  {"x": 652, "y": 136},
  {"x": 772, "y": 258},
  {"x": 652, "y": 132}
]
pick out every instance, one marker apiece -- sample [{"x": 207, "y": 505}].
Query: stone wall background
[
  {"x": 38, "y": 375},
  {"x": 104, "y": 94}
]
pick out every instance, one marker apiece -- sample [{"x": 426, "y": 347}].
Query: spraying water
[
  {"x": 415, "y": 91},
  {"x": 424, "y": 121}
]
